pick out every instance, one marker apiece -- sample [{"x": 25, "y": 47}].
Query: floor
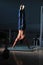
[{"x": 18, "y": 57}]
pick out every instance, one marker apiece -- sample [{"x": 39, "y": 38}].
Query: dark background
[{"x": 9, "y": 16}]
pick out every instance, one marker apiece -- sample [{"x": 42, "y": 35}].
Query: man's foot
[{"x": 13, "y": 46}]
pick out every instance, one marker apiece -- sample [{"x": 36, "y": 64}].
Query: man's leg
[
  {"x": 22, "y": 37},
  {"x": 17, "y": 38}
]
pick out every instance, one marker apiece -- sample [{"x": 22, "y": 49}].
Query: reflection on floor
[{"x": 22, "y": 57}]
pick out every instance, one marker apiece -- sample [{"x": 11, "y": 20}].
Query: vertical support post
[
  {"x": 41, "y": 27},
  {"x": 9, "y": 36}
]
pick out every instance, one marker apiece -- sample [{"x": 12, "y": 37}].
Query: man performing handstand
[{"x": 21, "y": 25}]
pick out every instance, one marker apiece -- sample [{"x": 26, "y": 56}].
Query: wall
[{"x": 9, "y": 16}]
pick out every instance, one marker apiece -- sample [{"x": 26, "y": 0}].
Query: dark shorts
[
  {"x": 21, "y": 27},
  {"x": 21, "y": 21}
]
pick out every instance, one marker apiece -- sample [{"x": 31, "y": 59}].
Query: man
[{"x": 21, "y": 25}]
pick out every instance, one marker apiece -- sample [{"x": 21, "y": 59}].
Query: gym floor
[{"x": 34, "y": 57}]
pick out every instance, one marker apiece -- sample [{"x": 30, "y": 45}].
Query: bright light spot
[{"x": 23, "y": 6}]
